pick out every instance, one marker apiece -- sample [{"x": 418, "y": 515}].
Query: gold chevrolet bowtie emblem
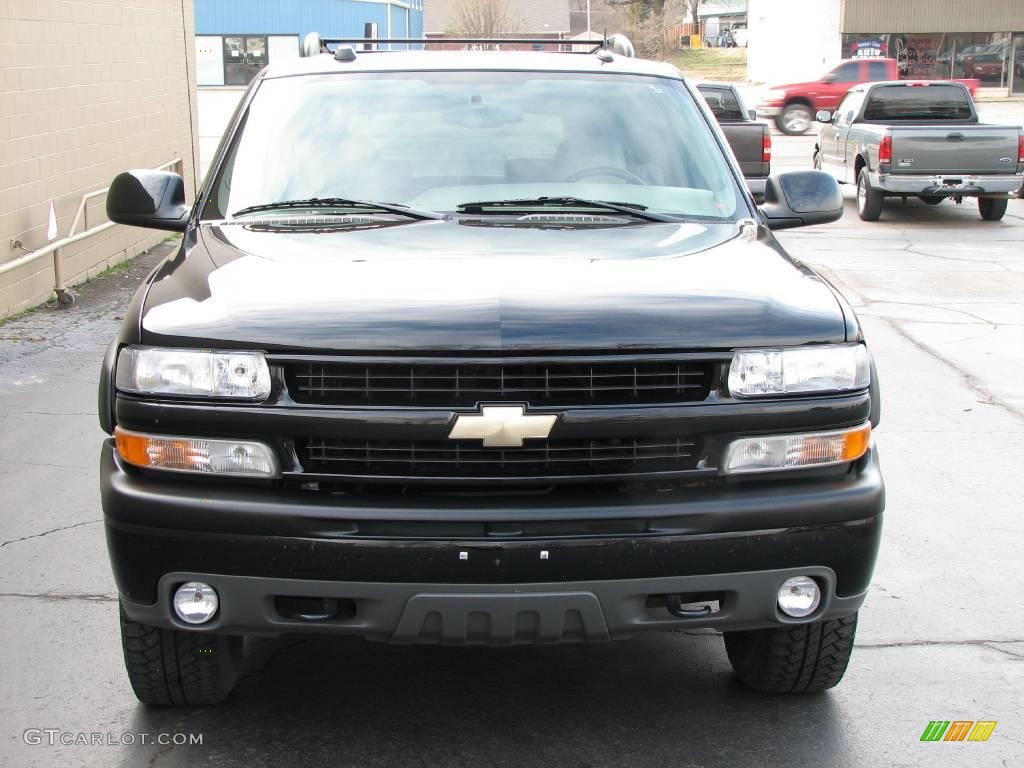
[{"x": 501, "y": 426}]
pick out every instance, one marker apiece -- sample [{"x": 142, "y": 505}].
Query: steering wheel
[{"x": 606, "y": 170}]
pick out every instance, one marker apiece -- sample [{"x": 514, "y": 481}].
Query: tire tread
[
  {"x": 803, "y": 659},
  {"x": 176, "y": 668}
]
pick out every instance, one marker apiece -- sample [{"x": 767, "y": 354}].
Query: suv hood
[{"x": 447, "y": 286}]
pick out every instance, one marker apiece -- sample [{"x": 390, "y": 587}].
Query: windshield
[{"x": 435, "y": 140}]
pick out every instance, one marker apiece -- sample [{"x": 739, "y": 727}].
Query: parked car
[
  {"x": 751, "y": 141},
  {"x": 989, "y": 63},
  {"x": 793, "y": 106},
  {"x": 565, "y": 385},
  {"x": 920, "y": 139}
]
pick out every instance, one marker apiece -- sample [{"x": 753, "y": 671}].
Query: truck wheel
[
  {"x": 869, "y": 200},
  {"x": 991, "y": 208},
  {"x": 795, "y": 119},
  {"x": 802, "y": 659},
  {"x": 177, "y": 668},
  {"x": 931, "y": 199}
]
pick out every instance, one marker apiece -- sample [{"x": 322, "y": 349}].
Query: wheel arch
[{"x": 798, "y": 100}]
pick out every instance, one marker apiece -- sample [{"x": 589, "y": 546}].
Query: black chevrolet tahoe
[{"x": 484, "y": 347}]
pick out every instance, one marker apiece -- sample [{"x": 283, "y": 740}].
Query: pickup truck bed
[{"x": 749, "y": 140}]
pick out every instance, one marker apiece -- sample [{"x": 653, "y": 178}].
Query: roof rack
[{"x": 314, "y": 45}]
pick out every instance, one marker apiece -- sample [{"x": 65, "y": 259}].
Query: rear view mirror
[
  {"x": 829, "y": 78},
  {"x": 147, "y": 198},
  {"x": 752, "y": 114},
  {"x": 823, "y": 116},
  {"x": 801, "y": 198}
]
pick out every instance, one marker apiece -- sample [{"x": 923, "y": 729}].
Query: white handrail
[{"x": 71, "y": 238}]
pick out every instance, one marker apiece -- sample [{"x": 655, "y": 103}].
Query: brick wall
[{"x": 88, "y": 88}]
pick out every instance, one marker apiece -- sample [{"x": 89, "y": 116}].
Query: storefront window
[
  {"x": 244, "y": 57},
  {"x": 981, "y": 55},
  {"x": 1018, "y": 64}
]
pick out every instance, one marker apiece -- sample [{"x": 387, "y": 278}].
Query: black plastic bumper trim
[
  {"x": 507, "y": 614},
  {"x": 141, "y": 557}
]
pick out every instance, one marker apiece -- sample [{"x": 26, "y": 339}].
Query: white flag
[{"x": 51, "y": 229}]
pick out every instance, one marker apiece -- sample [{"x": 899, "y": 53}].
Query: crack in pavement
[
  {"x": 910, "y": 247},
  {"x": 46, "y": 413},
  {"x": 970, "y": 381},
  {"x": 54, "y": 596},
  {"x": 47, "y": 533},
  {"x": 990, "y": 644}
]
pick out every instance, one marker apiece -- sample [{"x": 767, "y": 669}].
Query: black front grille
[
  {"x": 451, "y": 459},
  {"x": 454, "y": 384}
]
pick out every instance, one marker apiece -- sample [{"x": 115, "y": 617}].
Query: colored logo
[{"x": 958, "y": 730}]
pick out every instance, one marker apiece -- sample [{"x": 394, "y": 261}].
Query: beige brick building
[{"x": 88, "y": 88}]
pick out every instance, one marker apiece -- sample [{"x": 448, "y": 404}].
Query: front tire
[
  {"x": 802, "y": 659},
  {"x": 992, "y": 208},
  {"x": 869, "y": 199},
  {"x": 795, "y": 119},
  {"x": 178, "y": 668}
]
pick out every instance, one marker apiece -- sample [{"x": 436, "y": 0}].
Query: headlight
[
  {"x": 827, "y": 368},
  {"x": 243, "y": 458},
  {"x": 814, "y": 449},
  {"x": 193, "y": 373}
]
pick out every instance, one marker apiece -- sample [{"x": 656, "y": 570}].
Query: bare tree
[
  {"x": 647, "y": 23},
  {"x": 483, "y": 18}
]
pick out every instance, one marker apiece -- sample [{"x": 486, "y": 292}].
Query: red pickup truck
[{"x": 793, "y": 106}]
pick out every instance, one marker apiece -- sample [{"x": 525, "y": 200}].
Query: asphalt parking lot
[{"x": 941, "y": 294}]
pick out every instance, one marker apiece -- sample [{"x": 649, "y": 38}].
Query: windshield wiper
[
  {"x": 630, "y": 209},
  {"x": 341, "y": 202}
]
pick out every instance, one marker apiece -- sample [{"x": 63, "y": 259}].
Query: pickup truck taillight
[
  {"x": 885, "y": 151},
  {"x": 766, "y": 147},
  {"x": 1020, "y": 149}
]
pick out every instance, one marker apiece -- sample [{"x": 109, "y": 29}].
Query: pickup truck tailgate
[
  {"x": 747, "y": 143},
  {"x": 960, "y": 149}
]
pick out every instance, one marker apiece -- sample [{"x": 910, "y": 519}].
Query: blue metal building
[{"x": 237, "y": 38}]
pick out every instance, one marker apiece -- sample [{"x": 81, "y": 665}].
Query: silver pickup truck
[{"x": 922, "y": 139}]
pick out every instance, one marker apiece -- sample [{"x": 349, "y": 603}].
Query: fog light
[
  {"x": 799, "y": 596},
  {"x": 195, "y": 602}
]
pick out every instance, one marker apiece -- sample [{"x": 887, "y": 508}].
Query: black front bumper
[{"x": 737, "y": 543}]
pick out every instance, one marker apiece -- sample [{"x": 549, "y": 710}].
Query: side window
[
  {"x": 848, "y": 73},
  {"x": 848, "y": 109},
  {"x": 723, "y": 103},
  {"x": 877, "y": 70}
]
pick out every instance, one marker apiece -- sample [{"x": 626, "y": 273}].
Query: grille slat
[
  {"x": 508, "y": 390},
  {"x": 453, "y": 459},
  {"x": 453, "y": 384},
  {"x": 498, "y": 378}
]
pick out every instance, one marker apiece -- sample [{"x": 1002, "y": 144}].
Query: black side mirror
[
  {"x": 801, "y": 198},
  {"x": 823, "y": 116},
  {"x": 752, "y": 114},
  {"x": 146, "y": 198}
]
